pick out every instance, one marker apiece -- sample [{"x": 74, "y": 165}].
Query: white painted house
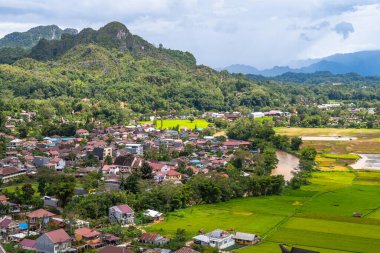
[
  {"x": 121, "y": 214},
  {"x": 257, "y": 115},
  {"x": 218, "y": 239}
]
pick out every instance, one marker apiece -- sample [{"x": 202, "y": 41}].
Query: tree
[
  {"x": 3, "y": 146},
  {"x": 146, "y": 171},
  {"x": 91, "y": 180},
  {"x": 108, "y": 160},
  {"x": 131, "y": 183},
  {"x": 27, "y": 192},
  {"x": 41, "y": 185},
  {"x": 308, "y": 153},
  {"x": 23, "y": 131},
  {"x": 270, "y": 159},
  {"x": 64, "y": 191},
  {"x": 178, "y": 240},
  {"x": 295, "y": 143}
]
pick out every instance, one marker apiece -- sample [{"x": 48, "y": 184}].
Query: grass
[
  {"x": 266, "y": 118},
  {"x": 172, "y": 123},
  {"x": 319, "y": 216},
  {"x": 316, "y": 217},
  {"x": 367, "y": 141},
  {"x": 254, "y": 215},
  {"x": 334, "y": 227},
  {"x": 272, "y": 247},
  {"x": 298, "y": 131},
  {"x": 342, "y": 156},
  {"x": 12, "y": 188},
  {"x": 367, "y": 178},
  {"x": 327, "y": 240},
  {"x": 335, "y": 162}
]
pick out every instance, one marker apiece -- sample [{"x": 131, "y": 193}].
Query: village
[
  {"x": 102, "y": 159},
  {"x": 114, "y": 153}
]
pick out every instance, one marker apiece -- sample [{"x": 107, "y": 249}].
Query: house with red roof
[
  {"x": 3, "y": 199},
  {"x": 82, "y": 133},
  {"x": 236, "y": 144},
  {"x": 173, "y": 175},
  {"x": 55, "y": 241},
  {"x": 186, "y": 250},
  {"x": 28, "y": 244},
  {"x": 8, "y": 227},
  {"x": 121, "y": 214},
  {"x": 88, "y": 236},
  {"x": 154, "y": 239},
  {"x": 38, "y": 215},
  {"x": 9, "y": 173},
  {"x": 114, "y": 249}
]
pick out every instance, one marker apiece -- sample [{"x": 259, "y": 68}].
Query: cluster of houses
[
  {"x": 351, "y": 108},
  {"x": 77, "y": 236},
  {"x": 119, "y": 150},
  {"x": 81, "y": 236},
  {"x": 231, "y": 116}
]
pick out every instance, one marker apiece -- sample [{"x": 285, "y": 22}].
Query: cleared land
[
  {"x": 367, "y": 141},
  {"x": 172, "y": 123}
]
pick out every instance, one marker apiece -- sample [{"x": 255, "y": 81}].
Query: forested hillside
[{"x": 111, "y": 74}]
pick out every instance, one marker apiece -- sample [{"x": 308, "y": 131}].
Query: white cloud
[{"x": 218, "y": 32}]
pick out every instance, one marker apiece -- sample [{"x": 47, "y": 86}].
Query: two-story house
[
  {"x": 134, "y": 148},
  {"x": 55, "y": 241},
  {"x": 102, "y": 152},
  {"x": 121, "y": 214}
]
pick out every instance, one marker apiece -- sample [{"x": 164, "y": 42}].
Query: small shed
[{"x": 245, "y": 238}]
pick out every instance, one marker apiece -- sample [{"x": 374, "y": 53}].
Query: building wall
[
  {"x": 116, "y": 216},
  {"x": 40, "y": 161},
  {"x": 44, "y": 245}
]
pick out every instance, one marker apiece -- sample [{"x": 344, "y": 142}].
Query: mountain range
[
  {"x": 365, "y": 63},
  {"x": 31, "y": 37},
  {"x": 122, "y": 74}
]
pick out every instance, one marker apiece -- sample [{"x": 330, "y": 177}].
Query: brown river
[{"x": 287, "y": 163}]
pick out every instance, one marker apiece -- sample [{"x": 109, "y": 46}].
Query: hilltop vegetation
[
  {"x": 110, "y": 74},
  {"x": 31, "y": 37}
]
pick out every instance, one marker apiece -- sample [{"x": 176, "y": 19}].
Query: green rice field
[{"x": 316, "y": 217}]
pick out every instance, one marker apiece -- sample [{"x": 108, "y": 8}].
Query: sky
[{"x": 260, "y": 33}]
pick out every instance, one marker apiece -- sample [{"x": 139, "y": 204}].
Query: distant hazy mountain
[
  {"x": 31, "y": 37},
  {"x": 366, "y": 63},
  {"x": 241, "y": 68},
  {"x": 246, "y": 69}
]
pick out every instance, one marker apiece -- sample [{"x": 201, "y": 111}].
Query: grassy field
[
  {"x": 172, "y": 123},
  {"x": 367, "y": 141},
  {"x": 12, "y": 188},
  {"x": 298, "y": 131},
  {"x": 264, "y": 118},
  {"x": 316, "y": 217},
  {"x": 335, "y": 162}
]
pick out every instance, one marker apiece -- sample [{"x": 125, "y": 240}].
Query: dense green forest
[{"x": 111, "y": 75}]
